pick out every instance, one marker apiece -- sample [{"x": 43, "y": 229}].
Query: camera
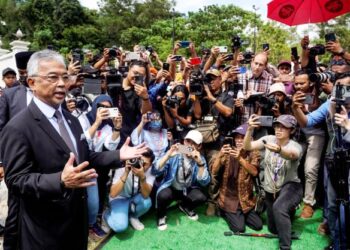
[
  {"x": 172, "y": 102},
  {"x": 266, "y": 103},
  {"x": 197, "y": 81},
  {"x": 77, "y": 56},
  {"x": 248, "y": 56},
  {"x": 135, "y": 162},
  {"x": 114, "y": 80},
  {"x": 318, "y": 49},
  {"x": 322, "y": 77},
  {"x": 236, "y": 42},
  {"x": 81, "y": 103},
  {"x": 113, "y": 52},
  {"x": 150, "y": 49}
]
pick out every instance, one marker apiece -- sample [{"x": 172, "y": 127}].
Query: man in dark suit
[
  {"x": 45, "y": 157},
  {"x": 12, "y": 101}
]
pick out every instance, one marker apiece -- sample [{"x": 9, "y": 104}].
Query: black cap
[
  {"x": 8, "y": 71},
  {"x": 22, "y": 59}
]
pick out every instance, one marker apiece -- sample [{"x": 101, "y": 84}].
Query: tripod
[{"x": 339, "y": 176}]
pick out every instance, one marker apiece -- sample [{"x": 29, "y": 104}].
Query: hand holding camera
[
  {"x": 341, "y": 119},
  {"x": 102, "y": 114},
  {"x": 298, "y": 100},
  {"x": 254, "y": 122},
  {"x": 225, "y": 149},
  {"x": 236, "y": 153}
]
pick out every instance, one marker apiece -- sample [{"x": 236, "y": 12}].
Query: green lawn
[{"x": 208, "y": 233}]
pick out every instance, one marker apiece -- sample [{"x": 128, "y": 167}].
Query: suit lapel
[
  {"x": 45, "y": 125},
  {"x": 22, "y": 97}
]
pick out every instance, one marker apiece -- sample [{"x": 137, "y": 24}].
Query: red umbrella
[{"x": 294, "y": 12}]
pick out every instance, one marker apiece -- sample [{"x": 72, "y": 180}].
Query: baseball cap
[
  {"x": 195, "y": 136},
  {"x": 287, "y": 121},
  {"x": 214, "y": 72},
  {"x": 284, "y": 62},
  {"x": 8, "y": 71},
  {"x": 277, "y": 87},
  {"x": 242, "y": 129}
]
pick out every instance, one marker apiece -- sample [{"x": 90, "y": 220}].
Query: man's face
[
  {"x": 49, "y": 85},
  {"x": 339, "y": 65},
  {"x": 302, "y": 83},
  {"x": 9, "y": 79},
  {"x": 281, "y": 132},
  {"x": 278, "y": 96},
  {"x": 239, "y": 141},
  {"x": 23, "y": 74},
  {"x": 134, "y": 71},
  {"x": 147, "y": 163},
  {"x": 284, "y": 69},
  {"x": 258, "y": 65},
  {"x": 189, "y": 142},
  {"x": 215, "y": 83}
]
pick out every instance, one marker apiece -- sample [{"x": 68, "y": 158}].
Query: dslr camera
[
  {"x": 322, "y": 77},
  {"x": 318, "y": 49},
  {"x": 172, "y": 102},
  {"x": 197, "y": 81},
  {"x": 248, "y": 56},
  {"x": 136, "y": 162},
  {"x": 236, "y": 42}
]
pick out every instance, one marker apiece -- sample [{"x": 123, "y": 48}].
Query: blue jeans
[
  {"x": 117, "y": 217},
  {"x": 93, "y": 202}
]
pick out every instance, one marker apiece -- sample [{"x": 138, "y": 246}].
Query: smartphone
[
  {"x": 266, "y": 121},
  {"x": 113, "y": 112},
  {"x": 177, "y": 58},
  {"x": 185, "y": 44},
  {"x": 183, "y": 149},
  {"x": 132, "y": 56},
  {"x": 195, "y": 61},
  {"x": 294, "y": 52},
  {"x": 139, "y": 80},
  {"x": 77, "y": 58},
  {"x": 228, "y": 57},
  {"x": 222, "y": 49},
  {"x": 265, "y": 46},
  {"x": 309, "y": 98},
  {"x": 166, "y": 66},
  {"x": 228, "y": 140},
  {"x": 330, "y": 37},
  {"x": 242, "y": 70}
]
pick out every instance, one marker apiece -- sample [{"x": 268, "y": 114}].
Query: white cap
[
  {"x": 277, "y": 87},
  {"x": 195, "y": 136}
]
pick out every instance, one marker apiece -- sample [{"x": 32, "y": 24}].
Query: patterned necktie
[{"x": 64, "y": 134}]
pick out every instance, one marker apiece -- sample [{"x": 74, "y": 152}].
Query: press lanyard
[{"x": 132, "y": 186}]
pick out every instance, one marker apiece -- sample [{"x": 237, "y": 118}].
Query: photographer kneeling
[
  {"x": 282, "y": 185},
  {"x": 129, "y": 194},
  {"x": 236, "y": 199},
  {"x": 185, "y": 172}
]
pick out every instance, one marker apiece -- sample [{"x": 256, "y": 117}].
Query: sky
[{"x": 185, "y": 6}]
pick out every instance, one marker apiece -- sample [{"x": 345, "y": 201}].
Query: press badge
[{"x": 208, "y": 118}]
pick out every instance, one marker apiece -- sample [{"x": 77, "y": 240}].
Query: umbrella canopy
[{"x": 294, "y": 12}]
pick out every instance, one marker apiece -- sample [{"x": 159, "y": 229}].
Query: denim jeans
[
  {"x": 117, "y": 217},
  {"x": 280, "y": 209},
  {"x": 93, "y": 202}
]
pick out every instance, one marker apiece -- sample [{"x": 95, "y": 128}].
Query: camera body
[
  {"x": 197, "y": 81},
  {"x": 135, "y": 162},
  {"x": 77, "y": 56},
  {"x": 236, "y": 42},
  {"x": 318, "y": 49},
  {"x": 248, "y": 56},
  {"x": 150, "y": 49},
  {"x": 172, "y": 102},
  {"x": 265, "y": 102}
]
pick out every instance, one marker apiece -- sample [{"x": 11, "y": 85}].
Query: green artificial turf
[{"x": 208, "y": 233}]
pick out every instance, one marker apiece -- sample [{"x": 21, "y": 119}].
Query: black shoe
[
  {"x": 190, "y": 213},
  {"x": 2, "y": 229}
]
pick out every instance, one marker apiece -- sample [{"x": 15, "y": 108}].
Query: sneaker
[
  {"x": 162, "y": 224},
  {"x": 211, "y": 209},
  {"x": 323, "y": 229},
  {"x": 307, "y": 211},
  {"x": 96, "y": 232},
  {"x": 136, "y": 224},
  {"x": 104, "y": 225},
  {"x": 190, "y": 213}
]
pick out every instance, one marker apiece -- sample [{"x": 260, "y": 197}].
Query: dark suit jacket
[{"x": 34, "y": 155}]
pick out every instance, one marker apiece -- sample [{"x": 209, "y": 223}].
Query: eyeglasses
[
  {"x": 338, "y": 62},
  {"x": 54, "y": 78}
]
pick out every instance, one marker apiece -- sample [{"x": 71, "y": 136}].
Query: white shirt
[
  {"x": 49, "y": 112},
  {"x": 29, "y": 95}
]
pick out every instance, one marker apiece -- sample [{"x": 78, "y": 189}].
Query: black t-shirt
[
  {"x": 130, "y": 107},
  {"x": 224, "y": 123}
]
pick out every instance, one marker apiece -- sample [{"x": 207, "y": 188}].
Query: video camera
[
  {"x": 113, "y": 52},
  {"x": 322, "y": 77},
  {"x": 197, "y": 81}
]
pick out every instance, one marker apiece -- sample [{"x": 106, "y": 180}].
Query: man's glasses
[
  {"x": 338, "y": 62},
  {"x": 52, "y": 78}
]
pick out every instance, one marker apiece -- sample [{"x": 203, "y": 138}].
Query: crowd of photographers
[{"x": 224, "y": 128}]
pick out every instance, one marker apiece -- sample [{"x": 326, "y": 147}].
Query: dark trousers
[
  {"x": 237, "y": 221},
  {"x": 194, "y": 197},
  {"x": 280, "y": 209},
  {"x": 11, "y": 233}
]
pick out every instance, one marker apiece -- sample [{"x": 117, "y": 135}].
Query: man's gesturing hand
[{"x": 75, "y": 177}]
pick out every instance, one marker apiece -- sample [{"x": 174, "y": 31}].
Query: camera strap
[{"x": 133, "y": 185}]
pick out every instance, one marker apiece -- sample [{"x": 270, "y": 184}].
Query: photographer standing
[
  {"x": 134, "y": 99},
  {"x": 282, "y": 185},
  {"x": 326, "y": 113},
  {"x": 216, "y": 106},
  {"x": 129, "y": 194}
]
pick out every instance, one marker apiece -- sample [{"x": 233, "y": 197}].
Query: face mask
[{"x": 155, "y": 125}]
